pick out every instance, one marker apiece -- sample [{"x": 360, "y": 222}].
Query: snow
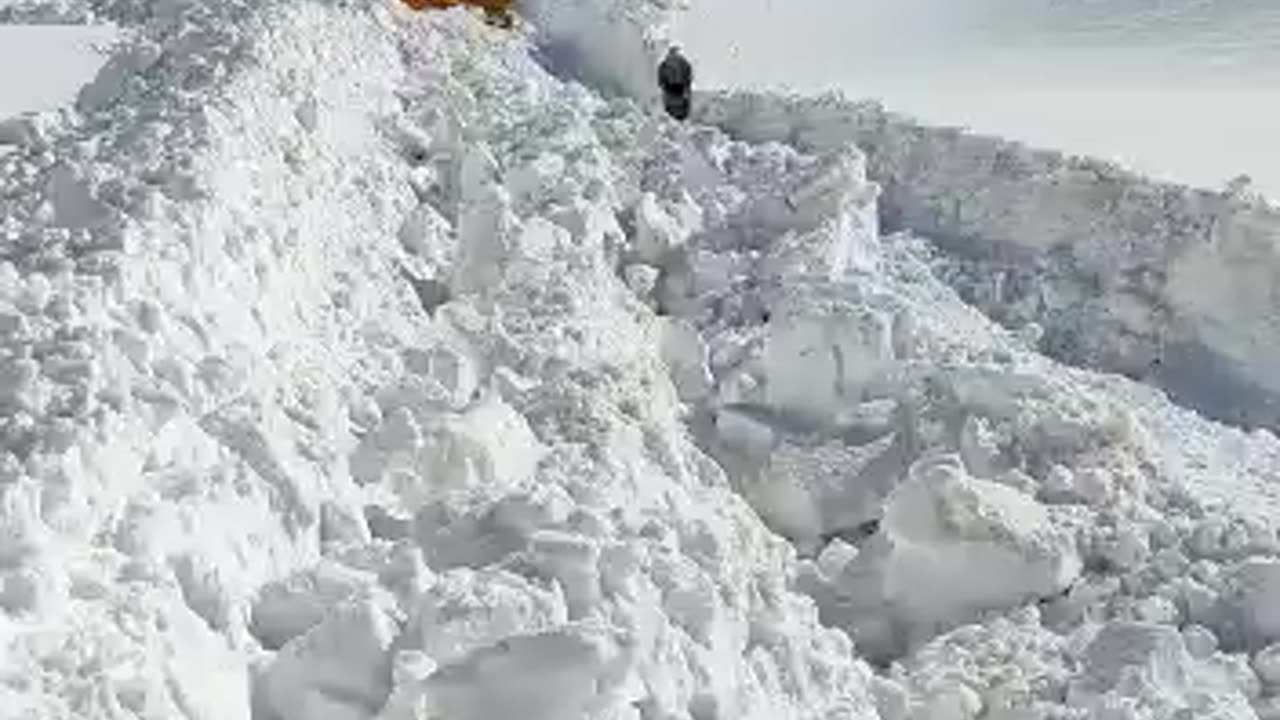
[
  {"x": 1159, "y": 282},
  {"x": 357, "y": 363}
]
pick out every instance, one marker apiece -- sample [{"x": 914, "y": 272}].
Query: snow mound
[{"x": 941, "y": 530}]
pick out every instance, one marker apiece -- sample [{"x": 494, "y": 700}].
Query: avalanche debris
[{"x": 354, "y": 365}]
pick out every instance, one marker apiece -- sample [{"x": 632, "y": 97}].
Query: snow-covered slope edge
[
  {"x": 320, "y": 395},
  {"x": 1169, "y": 284}
]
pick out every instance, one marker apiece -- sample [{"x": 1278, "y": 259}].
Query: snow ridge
[{"x": 1111, "y": 270}]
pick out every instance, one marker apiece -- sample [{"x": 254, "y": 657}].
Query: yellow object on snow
[{"x": 497, "y": 12}]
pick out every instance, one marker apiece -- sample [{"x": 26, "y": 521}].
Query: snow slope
[{"x": 355, "y": 365}]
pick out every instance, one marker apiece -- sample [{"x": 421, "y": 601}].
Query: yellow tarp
[
  {"x": 497, "y": 12},
  {"x": 490, "y": 5}
]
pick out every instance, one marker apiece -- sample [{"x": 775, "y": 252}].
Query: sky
[
  {"x": 1185, "y": 90},
  {"x": 44, "y": 66}
]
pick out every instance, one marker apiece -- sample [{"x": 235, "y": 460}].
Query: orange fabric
[{"x": 491, "y": 5}]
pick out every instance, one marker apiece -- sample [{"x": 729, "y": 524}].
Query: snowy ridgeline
[
  {"x": 355, "y": 366},
  {"x": 1164, "y": 283}
]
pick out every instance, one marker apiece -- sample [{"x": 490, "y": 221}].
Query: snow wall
[
  {"x": 613, "y": 46},
  {"x": 1172, "y": 285}
]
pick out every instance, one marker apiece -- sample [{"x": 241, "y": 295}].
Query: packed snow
[{"x": 361, "y": 363}]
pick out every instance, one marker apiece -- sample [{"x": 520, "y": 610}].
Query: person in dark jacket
[{"x": 675, "y": 77}]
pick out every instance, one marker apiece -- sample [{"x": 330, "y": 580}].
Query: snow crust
[{"x": 358, "y": 365}]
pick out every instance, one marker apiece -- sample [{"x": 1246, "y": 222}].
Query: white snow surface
[{"x": 354, "y": 364}]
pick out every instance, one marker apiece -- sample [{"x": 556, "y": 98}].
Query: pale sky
[{"x": 1178, "y": 89}]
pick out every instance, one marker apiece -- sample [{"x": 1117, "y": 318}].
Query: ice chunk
[
  {"x": 979, "y": 447},
  {"x": 814, "y": 363},
  {"x": 449, "y": 367},
  {"x": 685, "y": 354},
  {"x": 548, "y": 676},
  {"x": 466, "y": 610},
  {"x": 289, "y": 607},
  {"x": 490, "y": 445},
  {"x": 1149, "y": 666},
  {"x": 477, "y": 172},
  {"x": 641, "y": 278},
  {"x": 1252, "y": 601},
  {"x": 743, "y": 434},
  {"x": 952, "y": 701},
  {"x": 657, "y": 231},
  {"x": 951, "y": 546},
  {"x": 1123, "y": 649},
  {"x": 572, "y": 560},
  {"x": 486, "y": 233},
  {"x": 346, "y": 657},
  {"x": 427, "y": 234},
  {"x": 535, "y": 177},
  {"x": 1267, "y": 664},
  {"x": 848, "y": 484}
]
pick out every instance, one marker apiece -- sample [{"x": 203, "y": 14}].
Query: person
[{"x": 675, "y": 77}]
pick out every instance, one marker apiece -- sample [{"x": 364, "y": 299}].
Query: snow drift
[{"x": 356, "y": 365}]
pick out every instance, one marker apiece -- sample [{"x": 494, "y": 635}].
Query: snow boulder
[
  {"x": 685, "y": 354},
  {"x": 289, "y": 607},
  {"x": 342, "y": 665},
  {"x": 832, "y": 226},
  {"x": 816, "y": 363},
  {"x": 566, "y": 673},
  {"x": 466, "y": 610},
  {"x": 487, "y": 231},
  {"x": 1249, "y": 610},
  {"x": 440, "y": 375},
  {"x": 489, "y": 446},
  {"x": 847, "y": 485},
  {"x": 426, "y": 234},
  {"x": 661, "y": 230},
  {"x": 1147, "y": 667},
  {"x": 1127, "y": 652},
  {"x": 949, "y": 547},
  {"x": 1266, "y": 663}
]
